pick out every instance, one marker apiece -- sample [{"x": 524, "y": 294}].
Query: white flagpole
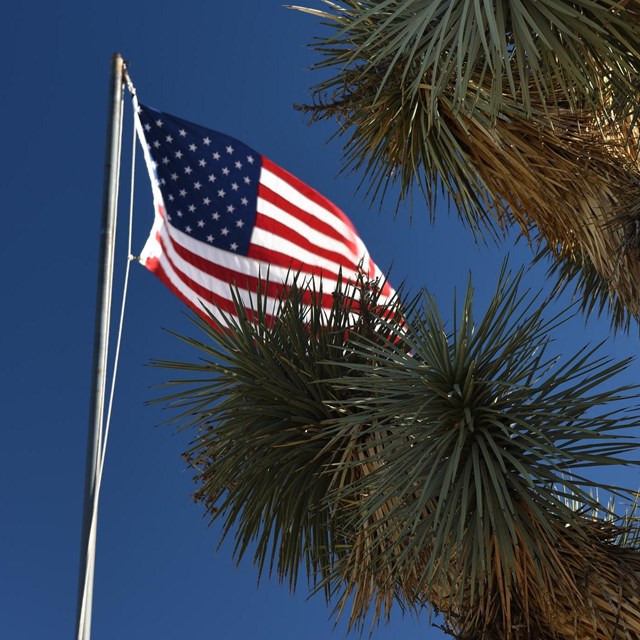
[{"x": 100, "y": 348}]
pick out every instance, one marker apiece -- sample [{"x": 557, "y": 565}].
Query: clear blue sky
[{"x": 235, "y": 66}]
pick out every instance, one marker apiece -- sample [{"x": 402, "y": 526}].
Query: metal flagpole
[{"x": 100, "y": 347}]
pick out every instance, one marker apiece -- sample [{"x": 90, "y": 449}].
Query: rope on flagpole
[
  {"x": 125, "y": 288},
  {"x": 134, "y": 102}
]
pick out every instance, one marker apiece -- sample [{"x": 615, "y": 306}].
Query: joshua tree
[
  {"x": 394, "y": 459},
  {"x": 522, "y": 113}
]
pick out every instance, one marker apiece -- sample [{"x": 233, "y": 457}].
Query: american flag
[{"x": 226, "y": 216}]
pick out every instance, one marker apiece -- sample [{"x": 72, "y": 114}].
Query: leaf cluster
[
  {"x": 261, "y": 405},
  {"x": 395, "y": 458},
  {"x": 515, "y": 113}
]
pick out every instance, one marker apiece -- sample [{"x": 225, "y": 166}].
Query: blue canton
[{"x": 209, "y": 181}]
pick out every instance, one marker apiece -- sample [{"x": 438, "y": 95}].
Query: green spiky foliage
[
  {"x": 261, "y": 405},
  {"x": 577, "y": 275},
  {"x": 517, "y": 112},
  {"x": 475, "y": 432},
  {"x": 394, "y": 457},
  {"x": 482, "y": 51}
]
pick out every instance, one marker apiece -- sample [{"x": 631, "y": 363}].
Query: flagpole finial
[{"x": 126, "y": 78}]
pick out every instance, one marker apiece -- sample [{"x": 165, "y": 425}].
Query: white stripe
[
  {"x": 188, "y": 293},
  {"x": 249, "y": 300},
  {"x": 248, "y": 266},
  {"x": 152, "y": 248},
  {"x": 274, "y": 242},
  {"x": 318, "y": 238},
  {"x": 290, "y": 193},
  {"x": 198, "y": 303},
  {"x": 216, "y": 285},
  {"x": 240, "y": 264}
]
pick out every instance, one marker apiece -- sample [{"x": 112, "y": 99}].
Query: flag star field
[{"x": 209, "y": 180}]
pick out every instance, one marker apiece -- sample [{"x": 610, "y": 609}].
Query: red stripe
[
  {"x": 282, "y": 231},
  {"x": 286, "y": 261},
  {"x": 205, "y": 294},
  {"x": 307, "y": 191},
  {"x": 153, "y": 264},
  {"x": 322, "y": 226},
  {"x": 227, "y": 274},
  {"x": 234, "y": 278},
  {"x": 298, "y": 266}
]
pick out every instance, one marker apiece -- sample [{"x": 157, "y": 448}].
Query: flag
[{"x": 228, "y": 217}]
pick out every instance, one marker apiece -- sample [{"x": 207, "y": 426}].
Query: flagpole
[{"x": 100, "y": 347}]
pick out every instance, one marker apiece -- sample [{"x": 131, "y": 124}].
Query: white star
[
  {"x": 197, "y": 186},
  {"x": 207, "y": 201},
  {"x": 202, "y": 162},
  {"x": 239, "y": 224},
  {"x": 215, "y": 156},
  {"x": 224, "y": 231},
  {"x": 163, "y": 181},
  {"x": 183, "y": 192},
  {"x": 192, "y": 208},
  {"x": 188, "y": 170},
  {"x": 201, "y": 223},
  {"x": 206, "y": 141},
  {"x": 174, "y": 176},
  {"x": 247, "y": 180},
  {"x": 192, "y": 147},
  {"x": 230, "y": 208},
  {"x": 250, "y": 159},
  {"x": 221, "y": 193},
  {"x": 156, "y": 144},
  {"x": 234, "y": 186},
  {"x": 244, "y": 201},
  {"x": 188, "y": 229},
  {"x": 212, "y": 178},
  {"x": 165, "y": 160},
  {"x": 178, "y": 154},
  {"x": 159, "y": 123},
  {"x": 168, "y": 217},
  {"x": 234, "y": 246},
  {"x": 238, "y": 165},
  {"x": 215, "y": 216},
  {"x": 225, "y": 171},
  {"x": 182, "y": 132},
  {"x": 209, "y": 238},
  {"x": 169, "y": 139},
  {"x": 179, "y": 214},
  {"x": 171, "y": 198},
  {"x": 229, "y": 149},
  {"x": 147, "y": 127}
]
